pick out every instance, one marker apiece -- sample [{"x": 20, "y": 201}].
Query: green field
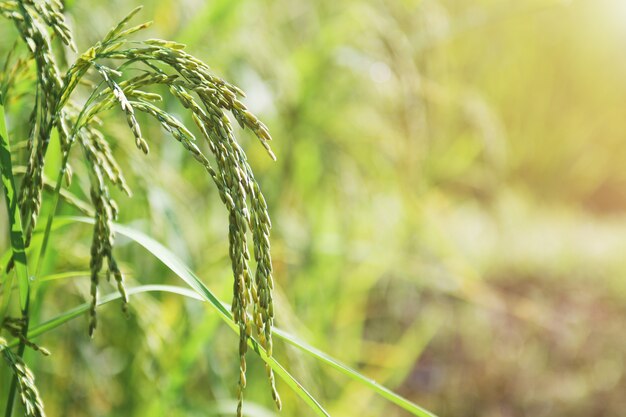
[{"x": 448, "y": 209}]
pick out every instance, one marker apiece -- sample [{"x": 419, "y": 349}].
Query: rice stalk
[
  {"x": 207, "y": 97},
  {"x": 29, "y": 395}
]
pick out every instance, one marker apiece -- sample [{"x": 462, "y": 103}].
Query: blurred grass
[{"x": 448, "y": 204}]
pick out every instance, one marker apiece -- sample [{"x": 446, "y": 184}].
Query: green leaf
[
  {"x": 65, "y": 275},
  {"x": 180, "y": 269},
  {"x": 81, "y": 309},
  {"x": 203, "y": 293},
  {"x": 15, "y": 222},
  {"x": 78, "y": 311},
  {"x": 346, "y": 370}
]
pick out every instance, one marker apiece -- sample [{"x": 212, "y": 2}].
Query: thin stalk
[
  {"x": 57, "y": 188},
  {"x": 17, "y": 243},
  {"x": 55, "y": 196}
]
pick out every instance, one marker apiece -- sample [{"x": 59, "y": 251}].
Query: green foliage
[
  {"x": 54, "y": 110},
  {"x": 69, "y": 109},
  {"x": 447, "y": 204}
]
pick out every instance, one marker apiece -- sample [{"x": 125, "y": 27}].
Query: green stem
[
  {"x": 55, "y": 196},
  {"x": 13, "y": 390},
  {"x": 17, "y": 243}
]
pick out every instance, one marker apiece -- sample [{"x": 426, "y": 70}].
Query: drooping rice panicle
[
  {"x": 208, "y": 98},
  {"x": 119, "y": 95},
  {"x": 28, "y": 393},
  {"x": 15, "y": 326}
]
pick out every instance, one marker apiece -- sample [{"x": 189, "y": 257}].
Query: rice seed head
[
  {"x": 15, "y": 327},
  {"x": 102, "y": 243},
  {"x": 116, "y": 32},
  {"x": 29, "y": 394},
  {"x": 119, "y": 95},
  {"x": 207, "y": 97},
  {"x": 52, "y": 13}
]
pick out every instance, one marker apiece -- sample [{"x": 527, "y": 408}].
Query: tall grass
[{"x": 67, "y": 103}]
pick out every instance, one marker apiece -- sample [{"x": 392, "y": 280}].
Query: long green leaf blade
[
  {"x": 278, "y": 368},
  {"x": 185, "y": 273},
  {"x": 15, "y": 222},
  {"x": 346, "y": 370},
  {"x": 79, "y": 310}
]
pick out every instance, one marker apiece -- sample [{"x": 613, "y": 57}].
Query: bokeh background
[{"x": 449, "y": 209}]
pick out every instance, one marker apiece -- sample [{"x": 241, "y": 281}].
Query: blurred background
[{"x": 449, "y": 210}]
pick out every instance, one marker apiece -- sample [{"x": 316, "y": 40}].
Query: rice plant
[
  {"x": 205, "y": 95},
  {"x": 120, "y": 74}
]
